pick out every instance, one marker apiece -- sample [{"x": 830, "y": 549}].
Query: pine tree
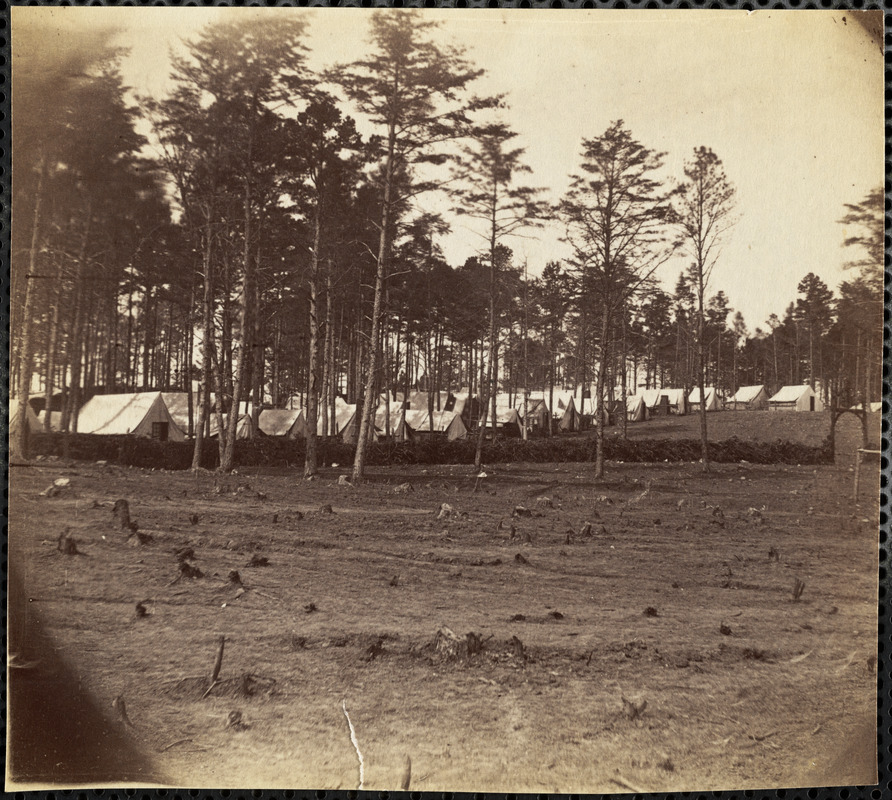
[
  {"x": 814, "y": 310},
  {"x": 322, "y": 168},
  {"x": 704, "y": 205},
  {"x": 490, "y": 194},
  {"x": 414, "y": 91},
  {"x": 615, "y": 212},
  {"x": 224, "y": 137}
]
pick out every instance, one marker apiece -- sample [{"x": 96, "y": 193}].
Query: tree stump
[
  {"x": 451, "y": 647},
  {"x": 407, "y": 775},
  {"x": 121, "y": 513},
  {"x": 188, "y": 570},
  {"x": 184, "y": 553},
  {"x": 236, "y": 722},
  {"x": 518, "y": 648},
  {"x": 246, "y": 684},
  {"x": 66, "y": 544},
  {"x": 119, "y": 706}
]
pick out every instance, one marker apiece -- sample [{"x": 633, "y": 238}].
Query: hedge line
[{"x": 265, "y": 451}]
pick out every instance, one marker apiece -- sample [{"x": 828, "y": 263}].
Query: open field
[
  {"x": 681, "y": 596},
  {"x": 758, "y": 426}
]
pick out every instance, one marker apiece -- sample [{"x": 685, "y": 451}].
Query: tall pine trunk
[
  {"x": 258, "y": 360},
  {"x": 187, "y": 368},
  {"x": 487, "y": 388},
  {"x": 327, "y": 358},
  {"x": 242, "y": 341},
  {"x": 599, "y": 391},
  {"x": 624, "y": 406},
  {"x": 312, "y": 406},
  {"x": 207, "y": 346},
  {"x": 77, "y": 336},
  {"x": 52, "y": 346},
  {"x": 368, "y": 400},
  {"x": 701, "y": 371},
  {"x": 20, "y": 443}
]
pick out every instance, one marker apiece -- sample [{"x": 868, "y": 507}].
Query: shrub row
[{"x": 265, "y": 451}]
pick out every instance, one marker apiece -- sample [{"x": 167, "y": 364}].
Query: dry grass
[{"x": 350, "y": 602}]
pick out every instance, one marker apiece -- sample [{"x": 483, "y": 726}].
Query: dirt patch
[{"x": 563, "y": 648}]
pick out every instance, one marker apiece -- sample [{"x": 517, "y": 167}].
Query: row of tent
[
  {"x": 746, "y": 398},
  {"x": 755, "y": 398},
  {"x": 651, "y": 402},
  {"x": 158, "y": 415},
  {"x": 165, "y": 415},
  {"x": 402, "y": 423}
]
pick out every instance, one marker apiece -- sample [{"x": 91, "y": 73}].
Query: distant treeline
[{"x": 267, "y": 251}]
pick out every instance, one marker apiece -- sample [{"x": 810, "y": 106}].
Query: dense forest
[{"x": 243, "y": 236}]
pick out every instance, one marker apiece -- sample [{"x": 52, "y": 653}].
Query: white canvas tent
[
  {"x": 795, "y": 398},
  {"x": 399, "y": 431},
  {"x": 651, "y": 398},
  {"x": 448, "y": 422},
  {"x": 506, "y": 416},
  {"x": 30, "y": 418},
  {"x": 586, "y": 407},
  {"x": 140, "y": 414},
  {"x": 418, "y": 401},
  {"x": 872, "y": 407},
  {"x": 539, "y": 409},
  {"x": 712, "y": 399},
  {"x": 749, "y": 398},
  {"x": 675, "y": 397},
  {"x": 346, "y": 421},
  {"x": 507, "y": 420},
  {"x": 570, "y": 420},
  {"x": 535, "y": 413},
  {"x": 244, "y": 428},
  {"x": 178, "y": 406},
  {"x": 677, "y": 403},
  {"x": 451, "y": 424},
  {"x": 55, "y": 421},
  {"x": 562, "y": 400},
  {"x": 636, "y": 409},
  {"x": 418, "y": 420},
  {"x": 461, "y": 401},
  {"x": 299, "y": 426},
  {"x": 508, "y": 401},
  {"x": 280, "y": 422},
  {"x": 532, "y": 410}
]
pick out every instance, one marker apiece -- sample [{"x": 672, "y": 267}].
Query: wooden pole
[{"x": 219, "y": 662}]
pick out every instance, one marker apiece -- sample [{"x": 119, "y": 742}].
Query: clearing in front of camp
[{"x": 663, "y": 630}]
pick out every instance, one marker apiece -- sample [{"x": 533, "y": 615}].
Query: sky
[{"x": 791, "y": 101}]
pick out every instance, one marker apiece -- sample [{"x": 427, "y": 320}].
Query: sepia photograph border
[{"x": 884, "y": 667}]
